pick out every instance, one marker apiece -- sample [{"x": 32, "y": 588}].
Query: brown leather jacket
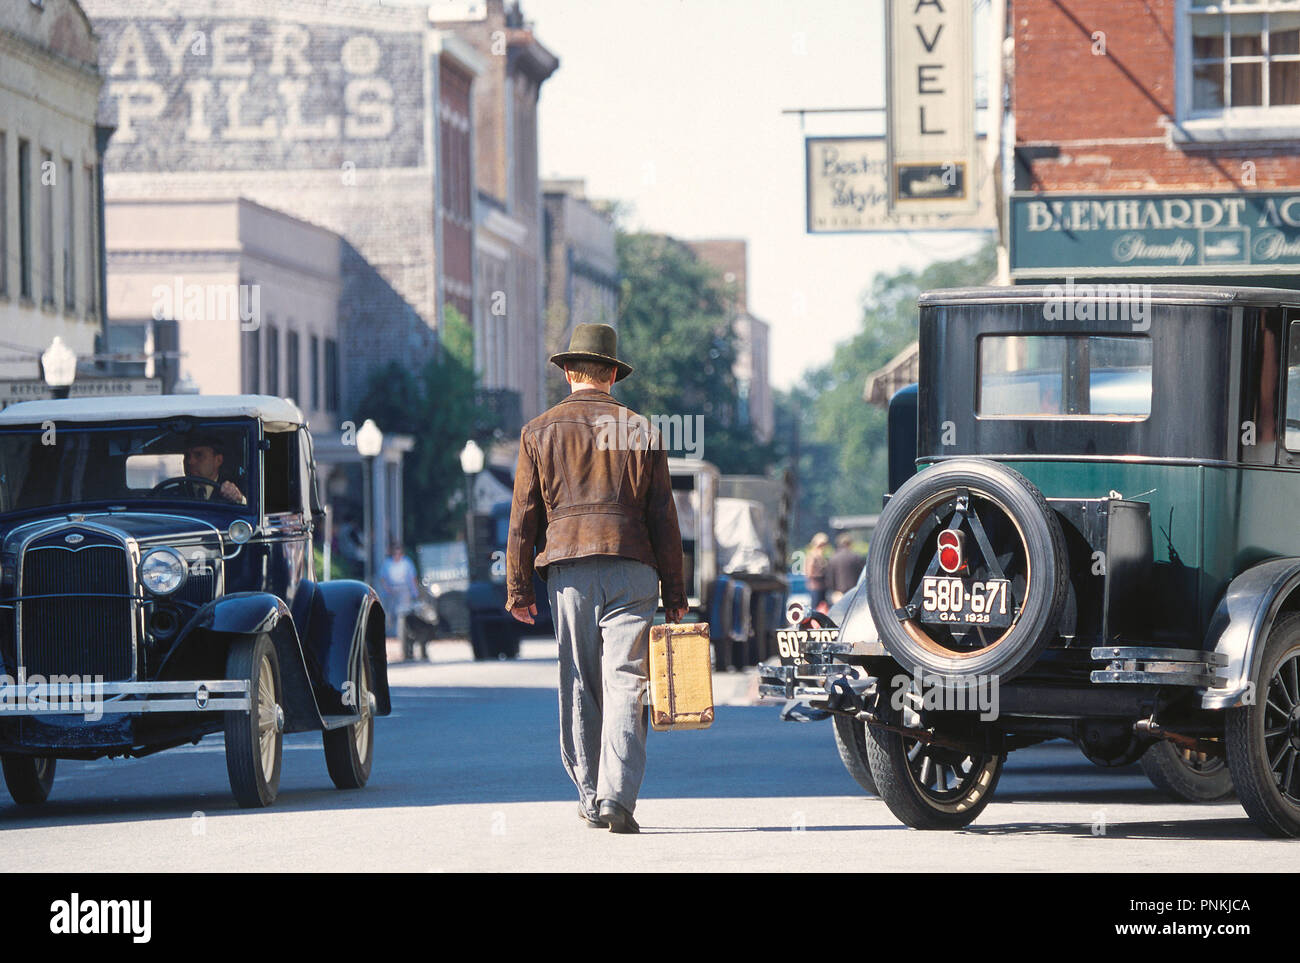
[{"x": 581, "y": 490}]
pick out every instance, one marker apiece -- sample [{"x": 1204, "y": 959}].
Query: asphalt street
[{"x": 467, "y": 777}]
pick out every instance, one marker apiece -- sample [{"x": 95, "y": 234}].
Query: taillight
[{"x": 952, "y": 550}]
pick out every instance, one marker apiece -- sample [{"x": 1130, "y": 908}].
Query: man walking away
[{"x": 593, "y": 499}]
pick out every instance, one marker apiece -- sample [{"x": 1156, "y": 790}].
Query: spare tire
[{"x": 993, "y": 599}]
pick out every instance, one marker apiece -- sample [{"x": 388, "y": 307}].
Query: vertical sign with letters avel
[{"x": 930, "y": 100}]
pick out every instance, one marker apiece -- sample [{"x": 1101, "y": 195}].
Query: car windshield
[{"x": 183, "y": 460}]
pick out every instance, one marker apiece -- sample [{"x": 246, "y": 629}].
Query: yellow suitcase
[{"x": 681, "y": 677}]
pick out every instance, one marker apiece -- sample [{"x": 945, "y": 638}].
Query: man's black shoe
[
  {"x": 619, "y": 819},
  {"x": 591, "y": 819}
]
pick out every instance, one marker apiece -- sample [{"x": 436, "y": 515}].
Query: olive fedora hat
[{"x": 594, "y": 342}]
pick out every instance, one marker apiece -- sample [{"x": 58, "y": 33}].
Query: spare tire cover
[{"x": 992, "y": 598}]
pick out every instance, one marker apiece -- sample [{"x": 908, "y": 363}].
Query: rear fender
[
  {"x": 857, "y": 627},
  {"x": 1241, "y": 625},
  {"x": 342, "y": 617}
]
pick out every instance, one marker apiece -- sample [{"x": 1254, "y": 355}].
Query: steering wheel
[{"x": 186, "y": 483}]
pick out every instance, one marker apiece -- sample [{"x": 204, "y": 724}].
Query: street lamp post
[
  {"x": 59, "y": 367},
  {"x": 471, "y": 463},
  {"x": 370, "y": 442}
]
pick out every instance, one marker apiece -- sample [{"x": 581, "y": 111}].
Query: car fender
[
  {"x": 252, "y": 613},
  {"x": 342, "y": 616},
  {"x": 1241, "y": 624},
  {"x": 857, "y": 627}
]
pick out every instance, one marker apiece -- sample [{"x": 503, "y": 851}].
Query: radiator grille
[
  {"x": 200, "y": 587},
  {"x": 77, "y": 634}
]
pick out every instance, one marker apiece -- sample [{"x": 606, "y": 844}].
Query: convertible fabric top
[{"x": 278, "y": 414}]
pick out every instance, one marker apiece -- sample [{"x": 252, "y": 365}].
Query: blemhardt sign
[
  {"x": 183, "y": 93},
  {"x": 930, "y": 106},
  {"x": 1251, "y": 232},
  {"x": 847, "y": 181}
]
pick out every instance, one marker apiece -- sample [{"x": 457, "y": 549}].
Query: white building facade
[{"x": 51, "y": 279}]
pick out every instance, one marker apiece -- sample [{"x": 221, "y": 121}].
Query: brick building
[
  {"x": 51, "y": 242},
  {"x": 508, "y": 320},
  {"x": 730, "y": 257},
  {"x": 458, "y": 67},
  {"x": 1155, "y": 139},
  {"x": 581, "y": 270},
  {"x": 342, "y": 113}
]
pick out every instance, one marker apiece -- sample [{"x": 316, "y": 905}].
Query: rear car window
[{"x": 1064, "y": 376}]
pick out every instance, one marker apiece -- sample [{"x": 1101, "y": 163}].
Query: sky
[{"x": 673, "y": 108}]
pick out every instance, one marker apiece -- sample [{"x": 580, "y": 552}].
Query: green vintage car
[{"x": 1094, "y": 535}]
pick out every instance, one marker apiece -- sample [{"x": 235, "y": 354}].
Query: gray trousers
[{"x": 603, "y": 609}]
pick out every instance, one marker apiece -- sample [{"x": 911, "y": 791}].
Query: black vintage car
[
  {"x": 159, "y": 585},
  {"x": 1093, "y": 535}
]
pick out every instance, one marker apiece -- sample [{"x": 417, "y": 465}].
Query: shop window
[
  {"x": 1239, "y": 65},
  {"x": 47, "y": 180},
  {"x": 25, "y": 220},
  {"x": 69, "y": 234}
]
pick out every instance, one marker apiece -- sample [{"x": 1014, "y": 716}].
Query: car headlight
[{"x": 163, "y": 571}]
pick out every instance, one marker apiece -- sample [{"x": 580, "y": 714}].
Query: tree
[
  {"x": 436, "y": 407},
  {"x": 675, "y": 331},
  {"x": 842, "y": 444}
]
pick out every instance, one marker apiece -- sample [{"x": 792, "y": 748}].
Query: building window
[
  {"x": 92, "y": 246},
  {"x": 293, "y": 367},
  {"x": 47, "y": 229},
  {"x": 314, "y": 360},
  {"x": 525, "y": 145},
  {"x": 25, "y": 219},
  {"x": 272, "y": 360},
  {"x": 331, "y": 375},
  {"x": 252, "y": 361},
  {"x": 4, "y": 213},
  {"x": 1242, "y": 64},
  {"x": 69, "y": 232}
]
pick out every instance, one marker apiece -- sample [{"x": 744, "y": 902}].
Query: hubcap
[
  {"x": 947, "y": 778},
  {"x": 270, "y": 717},
  {"x": 361, "y": 731},
  {"x": 1282, "y": 726}
]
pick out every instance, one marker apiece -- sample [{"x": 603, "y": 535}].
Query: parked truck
[
  {"x": 735, "y": 533},
  {"x": 734, "y": 536}
]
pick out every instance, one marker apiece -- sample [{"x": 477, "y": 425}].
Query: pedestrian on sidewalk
[
  {"x": 593, "y": 499},
  {"x": 399, "y": 592},
  {"x": 844, "y": 568},
  {"x": 814, "y": 570}
]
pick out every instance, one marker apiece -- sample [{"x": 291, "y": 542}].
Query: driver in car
[{"x": 203, "y": 459}]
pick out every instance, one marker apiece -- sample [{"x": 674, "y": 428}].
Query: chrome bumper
[
  {"x": 820, "y": 682},
  {"x": 1150, "y": 665},
  {"x": 122, "y": 698}
]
